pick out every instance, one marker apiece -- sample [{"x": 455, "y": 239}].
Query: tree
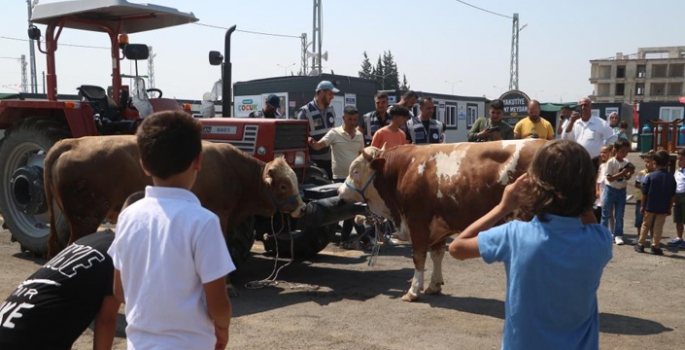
[
  {"x": 392, "y": 79},
  {"x": 378, "y": 73},
  {"x": 405, "y": 86},
  {"x": 367, "y": 68}
]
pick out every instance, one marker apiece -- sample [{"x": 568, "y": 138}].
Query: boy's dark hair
[
  {"x": 169, "y": 142},
  {"x": 136, "y": 196},
  {"x": 650, "y": 154},
  {"x": 661, "y": 158},
  {"x": 351, "y": 110},
  {"x": 623, "y": 124},
  {"x": 398, "y": 111},
  {"x": 621, "y": 143},
  {"x": 409, "y": 94},
  {"x": 422, "y": 100},
  {"x": 497, "y": 104},
  {"x": 381, "y": 95},
  {"x": 562, "y": 179}
]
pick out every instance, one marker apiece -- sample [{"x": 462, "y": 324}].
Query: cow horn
[
  {"x": 383, "y": 149},
  {"x": 367, "y": 156}
]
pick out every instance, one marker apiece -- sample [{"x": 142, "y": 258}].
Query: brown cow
[
  {"x": 90, "y": 177},
  {"x": 432, "y": 192}
]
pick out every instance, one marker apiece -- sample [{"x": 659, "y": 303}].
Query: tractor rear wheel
[
  {"x": 240, "y": 241},
  {"x": 22, "y": 193}
]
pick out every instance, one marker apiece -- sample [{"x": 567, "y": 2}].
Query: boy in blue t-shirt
[{"x": 551, "y": 284}]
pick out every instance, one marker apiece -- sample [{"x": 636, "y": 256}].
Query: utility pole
[
  {"x": 24, "y": 79},
  {"x": 151, "y": 68},
  {"x": 303, "y": 64},
  {"x": 32, "y": 52},
  {"x": 43, "y": 82},
  {"x": 316, "y": 36},
  {"x": 514, "y": 65}
]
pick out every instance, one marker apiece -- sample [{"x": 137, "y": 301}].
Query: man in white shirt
[{"x": 591, "y": 132}]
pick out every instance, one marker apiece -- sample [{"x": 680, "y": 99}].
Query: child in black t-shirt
[{"x": 52, "y": 307}]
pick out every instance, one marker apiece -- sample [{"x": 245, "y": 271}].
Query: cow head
[
  {"x": 359, "y": 186},
  {"x": 282, "y": 187}
]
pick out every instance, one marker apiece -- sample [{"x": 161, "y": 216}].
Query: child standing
[
  {"x": 169, "y": 253},
  {"x": 604, "y": 155},
  {"x": 618, "y": 172},
  {"x": 639, "y": 180},
  {"x": 679, "y": 209},
  {"x": 391, "y": 136},
  {"x": 559, "y": 190},
  {"x": 658, "y": 195}
]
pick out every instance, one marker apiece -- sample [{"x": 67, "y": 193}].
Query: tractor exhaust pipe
[{"x": 227, "y": 108}]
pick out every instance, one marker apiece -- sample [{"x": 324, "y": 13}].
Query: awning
[{"x": 556, "y": 107}]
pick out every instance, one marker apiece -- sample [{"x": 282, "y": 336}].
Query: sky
[{"x": 442, "y": 46}]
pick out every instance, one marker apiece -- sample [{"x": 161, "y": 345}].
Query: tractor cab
[{"x": 119, "y": 108}]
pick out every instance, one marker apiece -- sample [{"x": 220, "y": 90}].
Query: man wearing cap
[
  {"x": 346, "y": 143},
  {"x": 270, "y": 109},
  {"x": 321, "y": 117},
  {"x": 424, "y": 129}
]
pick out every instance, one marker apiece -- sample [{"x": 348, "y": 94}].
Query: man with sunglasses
[{"x": 591, "y": 132}]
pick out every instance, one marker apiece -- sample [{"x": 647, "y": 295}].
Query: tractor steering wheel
[{"x": 155, "y": 90}]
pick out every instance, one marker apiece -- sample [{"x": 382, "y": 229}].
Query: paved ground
[{"x": 641, "y": 300}]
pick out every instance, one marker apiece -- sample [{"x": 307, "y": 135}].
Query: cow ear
[
  {"x": 269, "y": 176},
  {"x": 378, "y": 163}
]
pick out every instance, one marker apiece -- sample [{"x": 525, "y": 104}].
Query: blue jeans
[{"x": 615, "y": 199}]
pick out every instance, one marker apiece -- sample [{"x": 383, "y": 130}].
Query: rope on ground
[{"x": 272, "y": 280}]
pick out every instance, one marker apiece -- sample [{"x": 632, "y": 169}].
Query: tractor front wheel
[{"x": 22, "y": 193}]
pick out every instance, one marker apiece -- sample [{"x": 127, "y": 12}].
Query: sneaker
[
  {"x": 638, "y": 248},
  {"x": 676, "y": 242},
  {"x": 657, "y": 251},
  {"x": 618, "y": 240},
  {"x": 682, "y": 245}
]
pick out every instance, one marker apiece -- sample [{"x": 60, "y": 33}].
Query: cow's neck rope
[
  {"x": 363, "y": 190},
  {"x": 280, "y": 206}
]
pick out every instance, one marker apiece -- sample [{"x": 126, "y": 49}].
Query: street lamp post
[
  {"x": 453, "y": 83},
  {"x": 382, "y": 81},
  {"x": 285, "y": 68}
]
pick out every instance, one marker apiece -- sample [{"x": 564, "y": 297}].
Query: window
[
  {"x": 472, "y": 113},
  {"x": 603, "y": 89},
  {"x": 674, "y": 89},
  {"x": 658, "y": 89},
  {"x": 640, "y": 89},
  {"x": 641, "y": 70},
  {"x": 604, "y": 72},
  {"x": 670, "y": 113},
  {"x": 620, "y": 89},
  {"x": 676, "y": 70},
  {"x": 620, "y": 72},
  {"x": 659, "y": 71},
  {"x": 451, "y": 116}
]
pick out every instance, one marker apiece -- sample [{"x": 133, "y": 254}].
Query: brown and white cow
[
  {"x": 432, "y": 192},
  {"x": 89, "y": 178}
]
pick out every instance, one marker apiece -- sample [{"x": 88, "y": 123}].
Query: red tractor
[{"x": 31, "y": 127}]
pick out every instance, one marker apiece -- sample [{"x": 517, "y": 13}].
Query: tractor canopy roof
[{"x": 133, "y": 17}]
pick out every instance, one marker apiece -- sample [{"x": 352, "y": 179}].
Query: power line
[
  {"x": 71, "y": 45},
  {"x": 484, "y": 10},
  {"x": 248, "y": 31}
]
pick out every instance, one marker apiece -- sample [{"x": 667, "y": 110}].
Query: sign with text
[{"x": 515, "y": 104}]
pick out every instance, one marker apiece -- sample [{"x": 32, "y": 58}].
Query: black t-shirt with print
[{"x": 51, "y": 308}]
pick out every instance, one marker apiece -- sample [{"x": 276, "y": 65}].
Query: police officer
[
  {"x": 424, "y": 129},
  {"x": 372, "y": 121},
  {"x": 321, "y": 117},
  {"x": 270, "y": 109}
]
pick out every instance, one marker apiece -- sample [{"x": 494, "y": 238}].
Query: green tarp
[
  {"x": 4, "y": 95},
  {"x": 556, "y": 107}
]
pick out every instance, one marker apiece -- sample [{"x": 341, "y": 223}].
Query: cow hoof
[
  {"x": 432, "y": 291},
  {"x": 410, "y": 297}
]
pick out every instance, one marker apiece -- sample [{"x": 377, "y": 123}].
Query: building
[{"x": 654, "y": 74}]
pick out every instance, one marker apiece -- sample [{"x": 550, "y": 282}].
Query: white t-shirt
[
  {"x": 166, "y": 247},
  {"x": 344, "y": 148},
  {"x": 592, "y": 135},
  {"x": 679, "y": 181},
  {"x": 601, "y": 180},
  {"x": 613, "y": 167}
]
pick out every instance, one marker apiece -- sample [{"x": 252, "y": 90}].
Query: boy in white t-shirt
[
  {"x": 618, "y": 172},
  {"x": 169, "y": 253}
]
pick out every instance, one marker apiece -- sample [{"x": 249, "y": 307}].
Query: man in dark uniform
[
  {"x": 372, "y": 121},
  {"x": 270, "y": 109},
  {"x": 321, "y": 116},
  {"x": 424, "y": 129},
  {"x": 51, "y": 308}
]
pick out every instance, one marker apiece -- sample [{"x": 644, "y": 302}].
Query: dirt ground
[{"x": 641, "y": 301}]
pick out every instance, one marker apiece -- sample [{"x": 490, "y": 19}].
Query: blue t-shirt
[{"x": 553, "y": 272}]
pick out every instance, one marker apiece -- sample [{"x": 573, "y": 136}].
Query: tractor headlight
[{"x": 299, "y": 158}]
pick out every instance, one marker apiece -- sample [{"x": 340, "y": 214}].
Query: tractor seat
[{"x": 99, "y": 101}]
